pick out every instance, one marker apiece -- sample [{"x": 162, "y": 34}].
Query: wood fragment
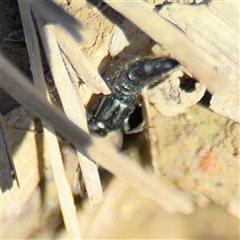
[
  {"x": 79, "y": 61},
  {"x": 214, "y": 28},
  {"x": 14, "y": 202},
  {"x": 170, "y": 99},
  {"x": 72, "y": 106},
  {"x": 51, "y": 148},
  {"x": 53, "y": 14}
]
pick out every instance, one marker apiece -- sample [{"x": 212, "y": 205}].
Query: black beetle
[{"x": 111, "y": 112}]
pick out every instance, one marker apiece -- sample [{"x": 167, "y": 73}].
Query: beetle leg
[{"x": 127, "y": 130}]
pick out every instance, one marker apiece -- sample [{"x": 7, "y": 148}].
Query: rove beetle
[{"x": 111, "y": 112}]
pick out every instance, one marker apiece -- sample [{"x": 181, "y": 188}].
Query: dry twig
[{"x": 52, "y": 150}]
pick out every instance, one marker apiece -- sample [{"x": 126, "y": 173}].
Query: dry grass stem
[
  {"x": 51, "y": 146},
  {"x": 72, "y": 106},
  {"x": 193, "y": 151}
]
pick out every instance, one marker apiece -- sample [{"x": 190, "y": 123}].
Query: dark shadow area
[
  {"x": 187, "y": 84},
  {"x": 6, "y": 165},
  {"x": 15, "y": 51},
  {"x": 158, "y": 7},
  {"x": 205, "y": 101},
  {"x": 135, "y": 118}
]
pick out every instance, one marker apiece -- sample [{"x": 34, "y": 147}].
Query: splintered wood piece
[
  {"x": 73, "y": 107},
  {"x": 76, "y": 57},
  {"x": 52, "y": 151}
]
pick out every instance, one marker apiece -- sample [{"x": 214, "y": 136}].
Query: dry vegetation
[{"x": 185, "y": 160}]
